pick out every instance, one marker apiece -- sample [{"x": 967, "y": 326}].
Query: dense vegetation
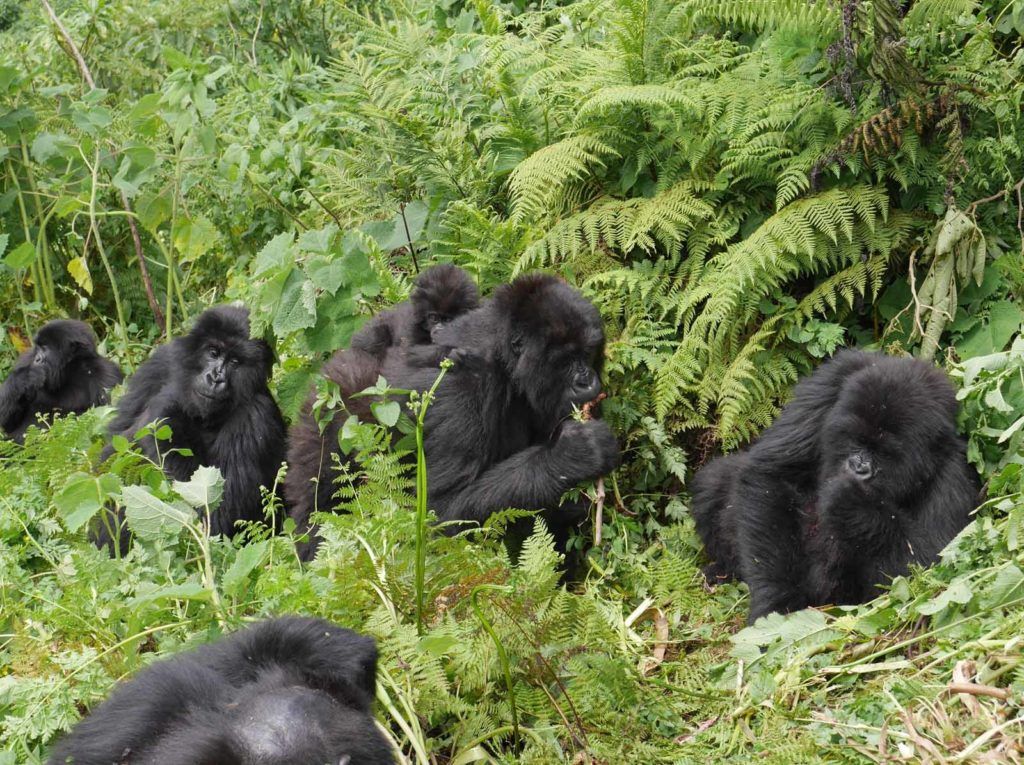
[{"x": 741, "y": 186}]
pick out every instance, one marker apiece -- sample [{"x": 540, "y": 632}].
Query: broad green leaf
[
  {"x": 327, "y": 275},
  {"x": 83, "y": 496},
  {"x": 247, "y": 559},
  {"x": 184, "y": 591},
  {"x": 958, "y": 592},
  {"x": 194, "y": 237},
  {"x": 319, "y": 241},
  {"x": 294, "y": 311},
  {"x": 386, "y": 412},
  {"x": 153, "y": 210},
  {"x": 22, "y": 256},
  {"x": 204, "y": 489},
  {"x": 3, "y": 243},
  {"x": 149, "y": 517},
  {"x": 276, "y": 253}
]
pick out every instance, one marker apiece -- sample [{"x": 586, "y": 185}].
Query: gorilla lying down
[
  {"x": 288, "y": 691},
  {"x": 862, "y": 474},
  {"x": 60, "y": 373},
  {"x": 210, "y": 387},
  {"x": 499, "y": 433}
]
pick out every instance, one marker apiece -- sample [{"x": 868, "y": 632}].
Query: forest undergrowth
[{"x": 741, "y": 187}]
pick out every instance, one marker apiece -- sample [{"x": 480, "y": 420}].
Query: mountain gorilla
[
  {"x": 210, "y": 387},
  {"x": 499, "y": 433},
  {"x": 288, "y": 691},
  {"x": 60, "y": 373},
  {"x": 861, "y": 475},
  {"x": 441, "y": 294}
]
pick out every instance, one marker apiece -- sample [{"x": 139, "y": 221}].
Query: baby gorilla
[
  {"x": 288, "y": 691},
  {"x": 441, "y": 294},
  {"x": 862, "y": 474},
  {"x": 61, "y": 373}
]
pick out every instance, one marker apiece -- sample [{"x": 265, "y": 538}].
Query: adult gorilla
[
  {"x": 441, "y": 294},
  {"x": 210, "y": 387},
  {"x": 499, "y": 433},
  {"x": 60, "y": 373},
  {"x": 288, "y": 691},
  {"x": 861, "y": 475}
]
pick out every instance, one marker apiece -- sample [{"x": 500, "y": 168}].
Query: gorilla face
[
  {"x": 884, "y": 440},
  {"x": 222, "y": 365},
  {"x": 556, "y": 344}
]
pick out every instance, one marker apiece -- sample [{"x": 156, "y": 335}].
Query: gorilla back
[
  {"x": 210, "y": 387},
  {"x": 288, "y": 691},
  {"x": 499, "y": 432},
  {"x": 861, "y": 475},
  {"x": 61, "y": 373}
]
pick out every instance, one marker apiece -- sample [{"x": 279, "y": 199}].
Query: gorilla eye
[{"x": 214, "y": 353}]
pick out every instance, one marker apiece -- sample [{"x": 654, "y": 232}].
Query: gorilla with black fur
[
  {"x": 210, "y": 387},
  {"x": 288, "y": 691},
  {"x": 499, "y": 433},
  {"x": 441, "y": 294},
  {"x": 60, "y": 373},
  {"x": 862, "y": 474}
]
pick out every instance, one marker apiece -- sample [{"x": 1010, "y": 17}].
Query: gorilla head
[
  {"x": 57, "y": 345},
  {"x": 888, "y": 433},
  {"x": 61, "y": 373},
  {"x": 553, "y": 344},
  {"x": 220, "y": 365},
  {"x": 441, "y": 294},
  {"x": 286, "y": 691}
]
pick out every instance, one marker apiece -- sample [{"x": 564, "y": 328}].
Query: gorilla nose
[
  {"x": 860, "y": 466},
  {"x": 215, "y": 381}
]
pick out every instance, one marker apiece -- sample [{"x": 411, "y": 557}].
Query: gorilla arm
[
  {"x": 249, "y": 447},
  {"x": 533, "y": 478},
  {"x": 19, "y": 391}
]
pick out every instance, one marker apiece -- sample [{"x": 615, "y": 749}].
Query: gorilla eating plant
[
  {"x": 861, "y": 475},
  {"x": 210, "y": 388},
  {"x": 499, "y": 432},
  {"x": 60, "y": 373}
]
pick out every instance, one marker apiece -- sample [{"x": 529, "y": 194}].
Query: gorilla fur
[
  {"x": 287, "y": 691},
  {"x": 60, "y": 373},
  {"x": 862, "y": 474},
  {"x": 499, "y": 433},
  {"x": 210, "y": 387},
  {"x": 441, "y": 294}
]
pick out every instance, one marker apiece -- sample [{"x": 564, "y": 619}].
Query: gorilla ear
[{"x": 517, "y": 342}]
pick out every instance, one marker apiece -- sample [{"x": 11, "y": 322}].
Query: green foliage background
[{"x": 741, "y": 187}]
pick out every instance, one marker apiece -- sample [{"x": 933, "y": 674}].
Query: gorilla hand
[{"x": 586, "y": 450}]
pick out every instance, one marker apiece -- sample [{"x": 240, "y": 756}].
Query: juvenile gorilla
[
  {"x": 210, "y": 387},
  {"x": 862, "y": 474},
  {"x": 441, "y": 294},
  {"x": 60, "y": 373},
  {"x": 499, "y": 432},
  {"x": 287, "y": 691}
]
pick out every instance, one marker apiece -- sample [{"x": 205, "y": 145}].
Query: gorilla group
[
  {"x": 60, "y": 373},
  {"x": 499, "y": 432},
  {"x": 862, "y": 474},
  {"x": 210, "y": 387},
  {"x": 289, "y": 691}
]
